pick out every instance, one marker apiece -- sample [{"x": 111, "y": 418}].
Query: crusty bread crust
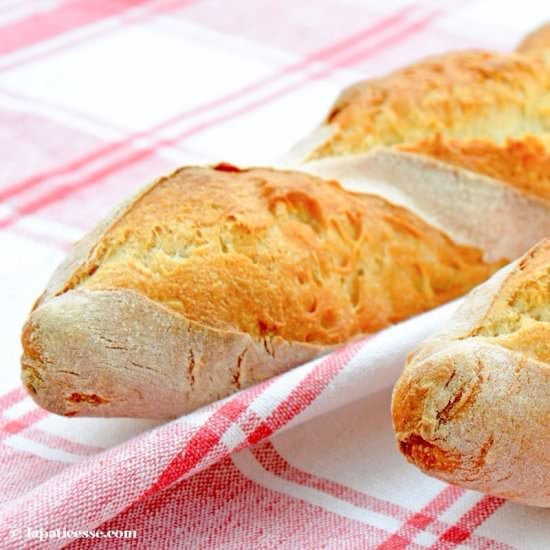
[
  {"x": 252, "y": 271},
  {"x": 473, "y": 404}
]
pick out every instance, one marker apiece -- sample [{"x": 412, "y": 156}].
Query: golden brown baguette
[
  {"x": 473, "y": 404},
  {"x": 481, "y": 111},
  {"x": 215, "y": 278}
]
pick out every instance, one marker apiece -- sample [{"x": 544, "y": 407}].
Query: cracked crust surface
[
  {"x": 215, "y": 278},
  {"x": 472, "y": 406},
  {"x": 459, "y": 95}
]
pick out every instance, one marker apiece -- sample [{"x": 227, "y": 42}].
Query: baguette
[
  {"x": 213, "y": 279},
  {"x": 480, "y": 111},
  {"x": 472, "y": 406}
]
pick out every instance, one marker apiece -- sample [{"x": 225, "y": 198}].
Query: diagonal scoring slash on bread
[
  {"x": 214, "y": 278},
  {"x": 473, "y": 404}
]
